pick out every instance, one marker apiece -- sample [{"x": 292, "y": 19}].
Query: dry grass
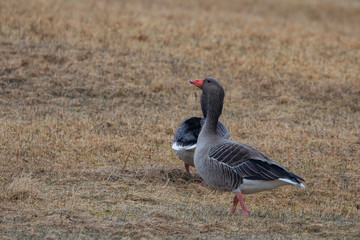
[{"x": 91, "y": 93}]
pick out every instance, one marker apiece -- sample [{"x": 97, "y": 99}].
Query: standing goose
[
  {"x": 186, "y": 135},
  {"x": 229, "y": 165}
]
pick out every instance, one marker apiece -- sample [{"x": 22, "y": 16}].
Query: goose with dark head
[
  {"x": 186, "y": 135},
  {"x": 229, "y": 165}
]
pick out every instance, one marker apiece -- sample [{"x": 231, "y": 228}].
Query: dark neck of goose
[
  {"x": 203, "y": 103},
  {"x": 214, "y": 109}
]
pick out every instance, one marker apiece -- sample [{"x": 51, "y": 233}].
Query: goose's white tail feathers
[
  {"x": 177, "y": 147},
  {"x": 292, "y": 182}
]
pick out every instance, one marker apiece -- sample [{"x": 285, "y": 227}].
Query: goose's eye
[{"x": 208, "y": 81}]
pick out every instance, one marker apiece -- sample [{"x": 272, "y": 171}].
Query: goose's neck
[
  {"x": 214, "y": 109},
  {"x": 203, "y": 103}
]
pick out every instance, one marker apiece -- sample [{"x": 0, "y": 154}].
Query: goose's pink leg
[
  {"x": 203, "y": 183},
  {"x": 187, "y": 168},
  {"x": 238, "y": 198}
]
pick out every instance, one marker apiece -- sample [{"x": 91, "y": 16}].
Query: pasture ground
[{"x": 91, "y": 93}]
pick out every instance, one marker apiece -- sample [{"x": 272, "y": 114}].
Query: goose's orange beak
[{"x": 197, "y": 82}]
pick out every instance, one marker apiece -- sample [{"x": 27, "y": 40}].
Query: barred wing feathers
[{"x": 248, "y": 163}]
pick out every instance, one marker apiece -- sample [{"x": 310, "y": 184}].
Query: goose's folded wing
[
  {"x": 246, "y": 161},
  {"x": 232, "y": 153},
  {"x": 188, "y": 131}
]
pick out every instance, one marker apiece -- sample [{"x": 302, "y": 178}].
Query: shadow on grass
[{"x": 159, "y": 175}]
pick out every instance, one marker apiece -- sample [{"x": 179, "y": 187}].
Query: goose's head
[{"x": 209, "y": 85}]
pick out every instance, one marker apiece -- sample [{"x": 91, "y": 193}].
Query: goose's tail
[{"x": 294, "y": 180}]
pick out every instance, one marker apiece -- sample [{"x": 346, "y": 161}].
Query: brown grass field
[{"x": 91, "y": 93}]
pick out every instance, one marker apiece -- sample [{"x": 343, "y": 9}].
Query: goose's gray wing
[
  {"x": 188, "y": 131},
  {"x": 247, "y": 162}
]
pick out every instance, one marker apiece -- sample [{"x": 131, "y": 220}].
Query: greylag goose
[
  {"x": 186, "y": 135},
  {"x": 229, "y": 165}
]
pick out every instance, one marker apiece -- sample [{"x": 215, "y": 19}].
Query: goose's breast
[{"x": 214, "y": 174}]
